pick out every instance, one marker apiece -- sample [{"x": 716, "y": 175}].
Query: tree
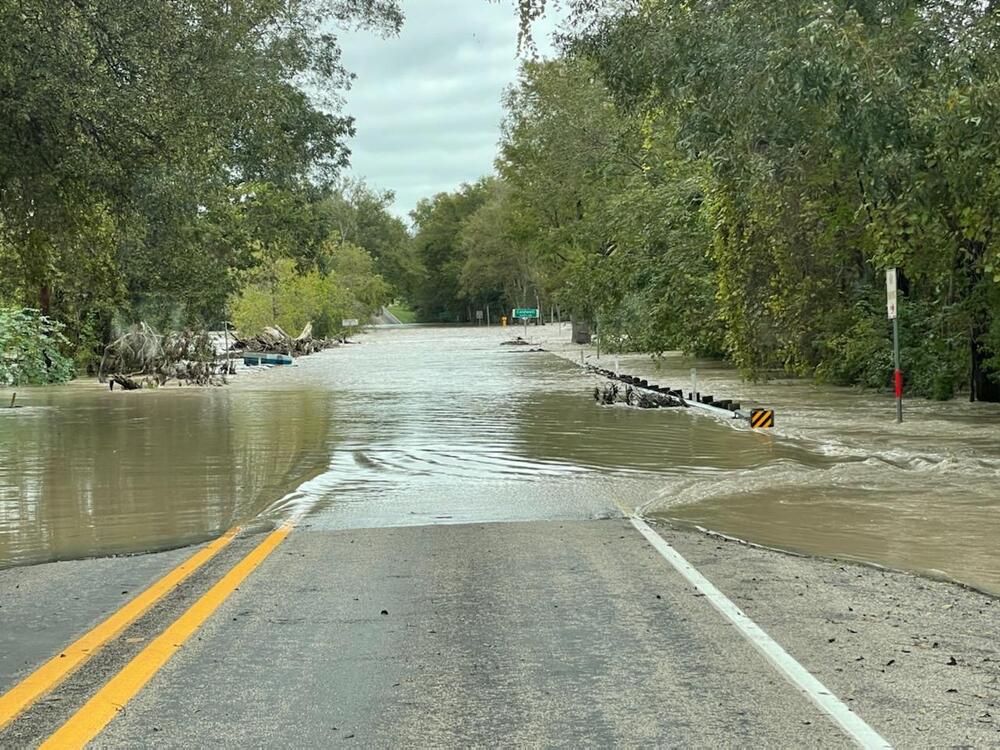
[
  {"x": 439, "y": 223},
  {"x": 280, "y": 294},
  {"x": 29, "y": 349},
  {"x": 362, "y": 216},
  {"x": 129, "y": 128},
  {"x": 838, "y": 140},
  {"x": 610, "y": 209},
  {"x": 500, "y": 267}
]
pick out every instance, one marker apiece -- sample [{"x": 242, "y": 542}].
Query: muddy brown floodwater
[{"x": 424, "y": 425}]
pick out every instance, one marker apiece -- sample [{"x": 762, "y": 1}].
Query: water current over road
[{"x": 426, "y": 425}]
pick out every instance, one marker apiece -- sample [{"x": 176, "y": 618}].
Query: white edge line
[{"x": 855, "y": 727}]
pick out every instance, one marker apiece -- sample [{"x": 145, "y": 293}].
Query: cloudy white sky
[{"x": 427, "y": 103}]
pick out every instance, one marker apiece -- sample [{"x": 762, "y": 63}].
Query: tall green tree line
[
  {"x": 734, "y": 178},
  {"x": 840, "y": 139},
  {"x": 152, "y": 154}
]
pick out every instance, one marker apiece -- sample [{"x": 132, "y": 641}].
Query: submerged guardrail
[{"x": 723, "y": 407}]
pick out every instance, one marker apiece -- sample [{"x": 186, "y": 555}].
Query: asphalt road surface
[{"x": 516, "y": 634}]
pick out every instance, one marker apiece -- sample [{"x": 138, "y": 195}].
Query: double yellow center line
[
  {"x": 89, "y": 720},
  {"x": 51, "y": 674}
]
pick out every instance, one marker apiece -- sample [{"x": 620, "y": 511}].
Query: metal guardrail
[{"x": 726, "y": 408}]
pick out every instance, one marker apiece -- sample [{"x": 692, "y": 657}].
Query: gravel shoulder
[{"x": 919, "y": 659}]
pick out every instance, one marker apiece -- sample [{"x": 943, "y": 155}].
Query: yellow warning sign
[{"x": 762, "y": 418}]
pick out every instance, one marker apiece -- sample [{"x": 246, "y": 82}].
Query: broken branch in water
[
  {"x": 274, "y": 340},
  {"x": 141, "y": 357}
]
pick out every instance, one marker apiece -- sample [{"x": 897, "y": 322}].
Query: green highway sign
[{"x": 526, "y": 312}]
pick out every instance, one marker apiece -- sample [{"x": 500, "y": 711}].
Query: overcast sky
[{"x": 427, "y": 103}]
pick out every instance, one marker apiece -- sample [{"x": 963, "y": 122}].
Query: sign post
[
  {"x": 893, "y": 310},
  {"x": 524, "y": 313},
  {"x": 349, "y": 324}
]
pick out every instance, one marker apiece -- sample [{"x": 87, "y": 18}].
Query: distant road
[{"x": 385, "y": 317}]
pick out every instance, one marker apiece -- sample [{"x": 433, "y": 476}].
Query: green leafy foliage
[
  {"x": 361, "y": 215},
  {"x": 437, "y": 294},
  {"x": 30, "y": 349},
  {"x": 834, "y": 140},
  {"x": 152, "y": 152},
  {"x": 278, "y": 293},
  {"x": 593, "y": 211},
  {"x": 734, "y": 179}
]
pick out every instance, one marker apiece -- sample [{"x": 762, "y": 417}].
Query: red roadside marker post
[{"x": 890, "y": 291}]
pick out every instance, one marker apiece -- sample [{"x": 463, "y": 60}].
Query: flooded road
[
  {"x": 921, "y": 496},
  {"x": 445, "y": 426}
]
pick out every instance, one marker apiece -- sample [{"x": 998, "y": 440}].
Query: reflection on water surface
[{"x": 86, "y": 472}]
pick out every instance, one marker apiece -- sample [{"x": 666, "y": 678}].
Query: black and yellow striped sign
[{"x": 762, "y": 418}]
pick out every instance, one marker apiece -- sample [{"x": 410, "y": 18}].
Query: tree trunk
[
  {"x": 981, "y": 387},
  {"x": 45, "y": 299}
]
